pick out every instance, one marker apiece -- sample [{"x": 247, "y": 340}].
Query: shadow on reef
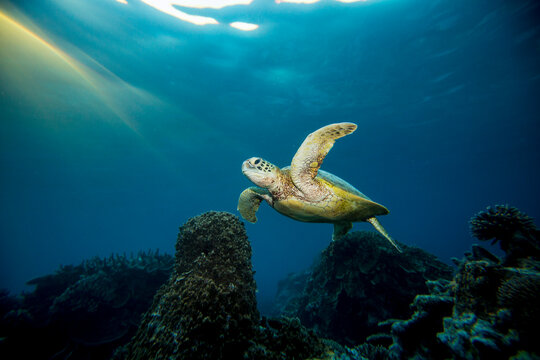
[
  {"x": 83, "y": 311},
  {"x": 358, "y": 281}
]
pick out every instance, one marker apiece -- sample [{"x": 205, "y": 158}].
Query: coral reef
[
  {"x": 82, "y": 311},
  {"x": 360, "y": 352},
  {"x": 490, "y": 309},
  {"x": 358, "y": 290},
  {"x": 513, "y": 230},
  {"x": 207, "y": 309},
  {"x": 417, "y": 336},
  {"x": 358, "y": 282},
  {"x": 289, "y": 293},
  {"x": 285, "y": 338}
]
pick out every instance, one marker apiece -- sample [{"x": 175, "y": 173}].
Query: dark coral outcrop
[
  {"x": 208, "y": 310},
  {"x": 359, "y": 281},
  {"x": 289, "y": 293},
  {"x": 286, "y": 338},
  {"x": 416, "y": 337},
  {"x": 512, "y": 229},
  {"x": 490, "y": 309},
  {"x": 82, "y": 311}
]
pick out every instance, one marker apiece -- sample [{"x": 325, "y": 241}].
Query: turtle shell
[
  {"x": 336, "y": 181},
  {"x": 340, "y": 183}
]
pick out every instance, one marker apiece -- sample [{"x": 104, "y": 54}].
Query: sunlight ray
[{"x": 8, "y": 23}]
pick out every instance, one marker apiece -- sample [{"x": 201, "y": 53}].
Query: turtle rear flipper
[
  {"x": 250, "y": 200},
  {"x": 377, "y": 225},
  {"x": 340, "y": 229}
]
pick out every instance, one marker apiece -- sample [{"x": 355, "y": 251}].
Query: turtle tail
[{"x": 377, "y": 225}]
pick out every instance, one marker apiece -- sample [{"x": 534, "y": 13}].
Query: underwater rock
[
  {"x": 84, "y": 310},
  {"x": 359, "y": 281}
]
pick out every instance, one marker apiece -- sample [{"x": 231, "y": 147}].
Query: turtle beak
[{"x": 246, "y": 165}]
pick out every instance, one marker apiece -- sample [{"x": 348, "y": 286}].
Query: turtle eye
[{"x": 257, "y": 161}]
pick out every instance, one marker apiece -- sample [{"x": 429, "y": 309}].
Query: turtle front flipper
[
  {"x": 310, "y": 155},
  {"x": 377, "y": 225},
  {"x": 340, "y": 229},
  {"x": 250, "y": 200}
]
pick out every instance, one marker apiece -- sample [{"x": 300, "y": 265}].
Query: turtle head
[{"x": 260, "y": 172}]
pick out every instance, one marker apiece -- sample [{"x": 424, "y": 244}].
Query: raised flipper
[
  {"x": 340, "y": 229},
  {"x": 310, "y": 155},
  {"x": 373, "y": 221},
  {"x": 250, "y": 200}
]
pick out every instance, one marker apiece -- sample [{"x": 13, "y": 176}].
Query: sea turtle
[{"x": 305, "y": 193}]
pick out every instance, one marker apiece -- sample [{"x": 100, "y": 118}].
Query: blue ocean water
[{"x": 119, "y": 121}]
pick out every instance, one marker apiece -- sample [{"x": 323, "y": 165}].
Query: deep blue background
[{"x": 446, "y": 95}]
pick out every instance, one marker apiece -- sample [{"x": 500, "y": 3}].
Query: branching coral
[
  {"x": 513, "y": 230},
  {"x": 490, "y": 308},
  {"x": 417, "y": 335},
  {"x": 468, "y": 337},
  {"x": 501, "y": 223}
]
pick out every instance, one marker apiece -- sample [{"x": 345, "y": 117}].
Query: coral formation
[
  {"x": 490, "y": 309},
  {"x": 417, "y": 335},
  {"x": 207, "y": 310},
  {"x": 289, "y": 293},
  {"x": 513, "y": 230},
  {"x": 285, "y": 338},
  {"x": 83, "y": 310},
  {"x": 519, "y": 293},
  {"x": 358, "y": 282}
]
